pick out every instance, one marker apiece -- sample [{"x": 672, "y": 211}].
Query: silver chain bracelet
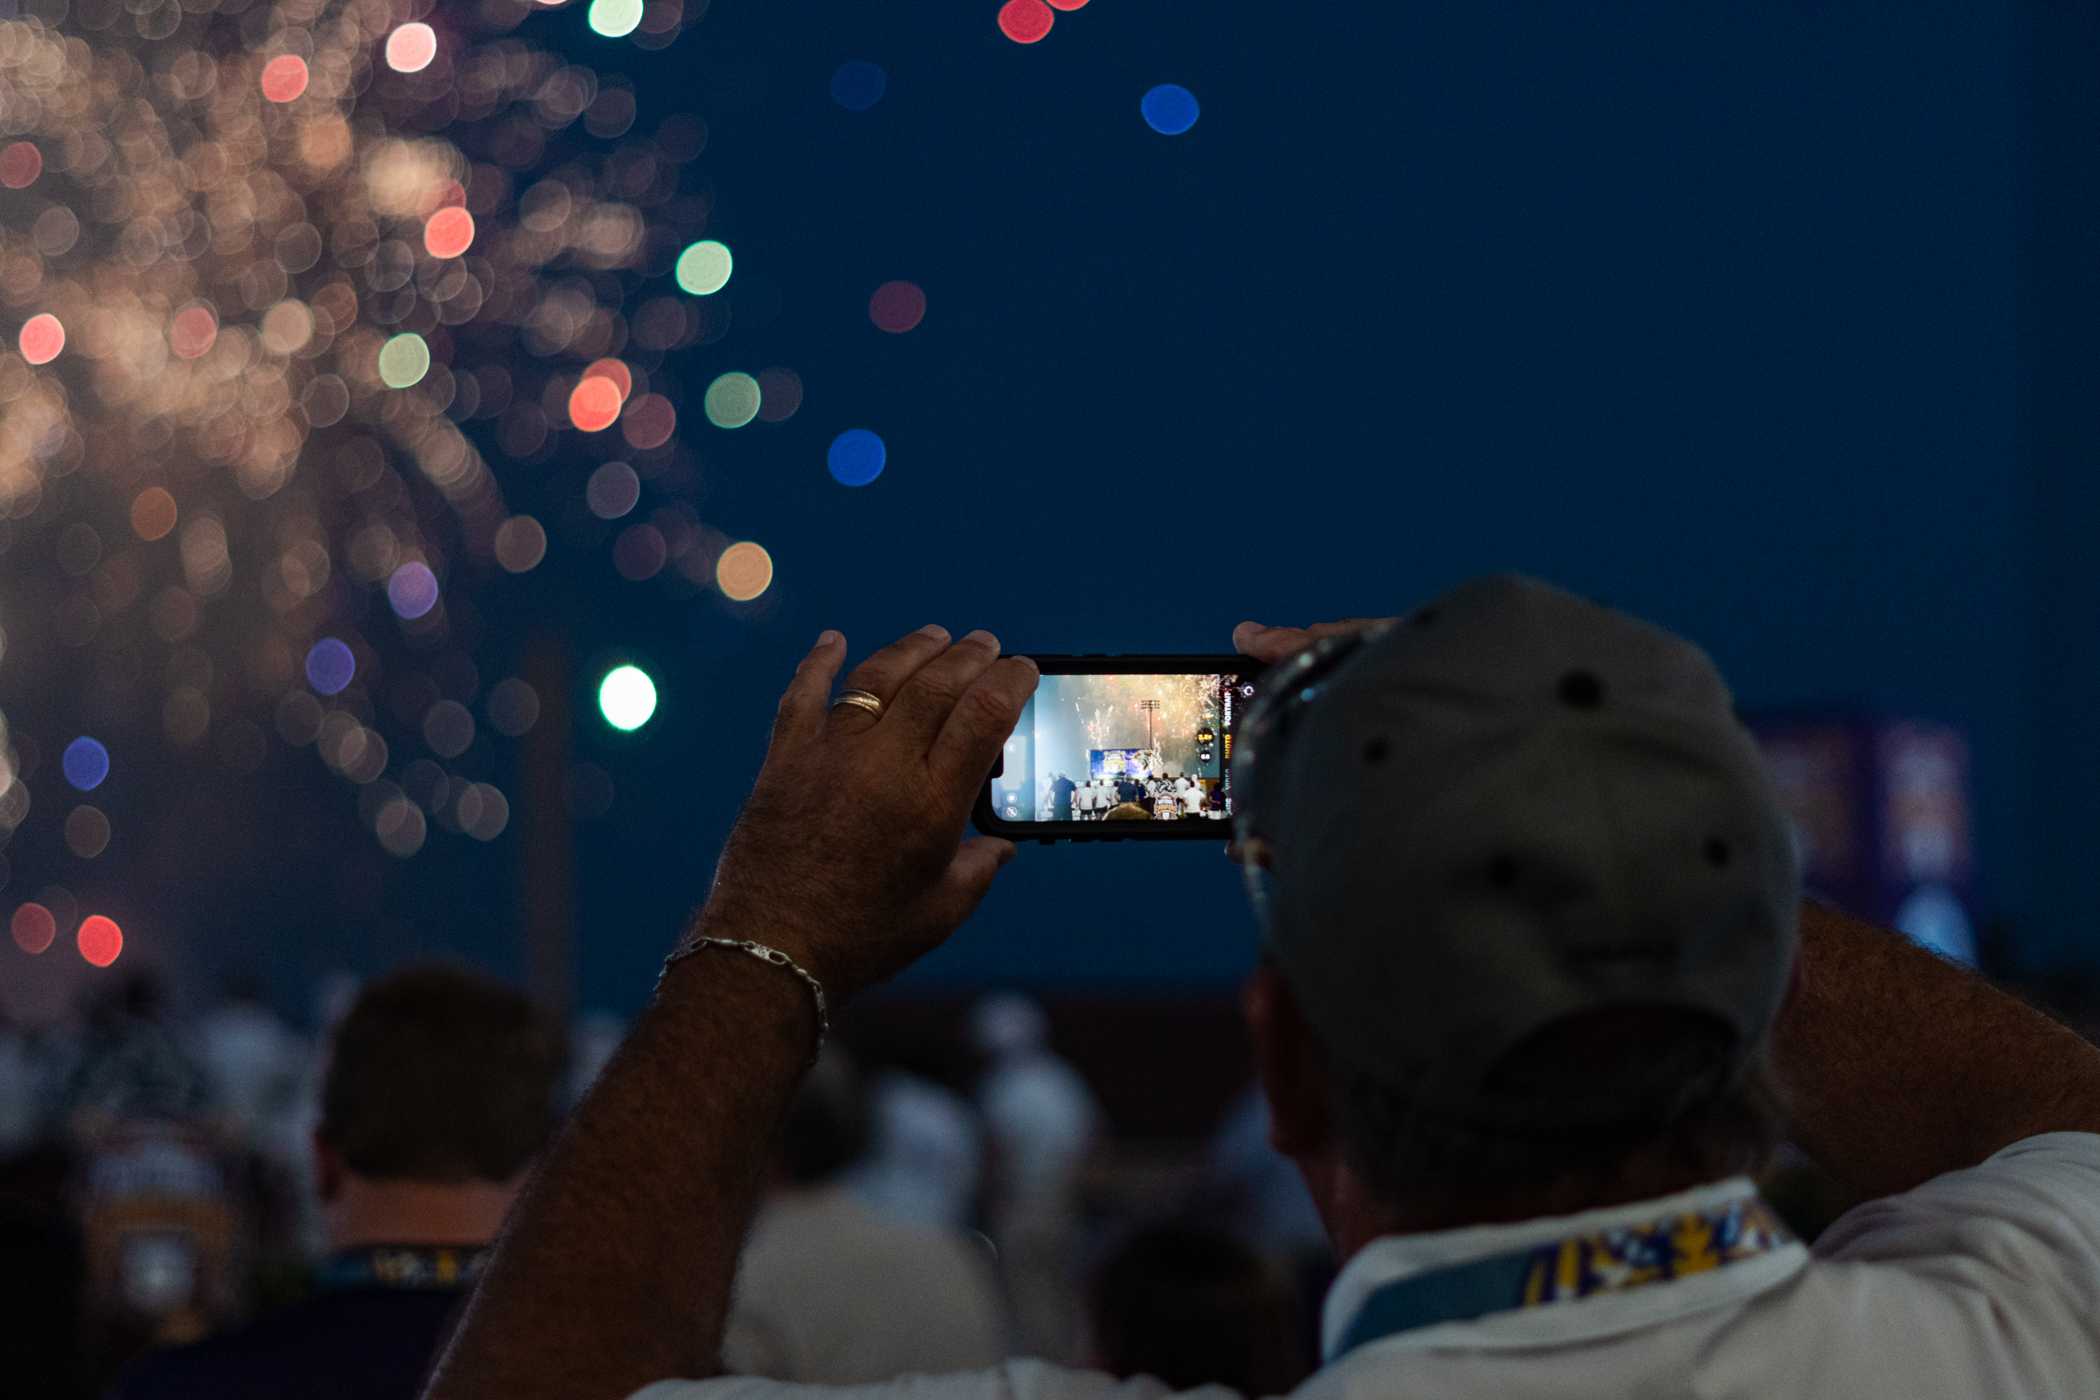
[{"x": 693, "y": 943}]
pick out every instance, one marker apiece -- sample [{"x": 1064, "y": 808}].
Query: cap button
[{"x": 1581, "y": 690}]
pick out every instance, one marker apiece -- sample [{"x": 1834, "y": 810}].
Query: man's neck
[
  {"x": 368, "y": 1213},
  {"x": 1357, "y": 1218}
]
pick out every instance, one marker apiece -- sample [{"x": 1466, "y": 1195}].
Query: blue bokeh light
[
  {"x": 86, "y": 763},
  {"x": 1170, "y": 109},
  {"x": 859, "y": 85},
  {"x": 857, "y": 457},
  {"x": 330, "y": 666},
  {"x": 412, "y": 591}
]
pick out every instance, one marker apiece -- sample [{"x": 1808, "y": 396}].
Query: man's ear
[
  {"x": 1291, "y": 1066},
  {"x": 329, "y": 1170}
]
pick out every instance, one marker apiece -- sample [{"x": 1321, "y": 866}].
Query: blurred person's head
[
  {"x": 1008, "y": 1023},
  {"x": 830, "y": 1124},
  {"x": 441, "y": 1088},
  {"x": 1530, "y": 906},
  {"x": 1195, "y": 1307}
]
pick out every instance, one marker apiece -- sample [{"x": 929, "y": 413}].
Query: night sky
[{"x": 1716, "y": 317}]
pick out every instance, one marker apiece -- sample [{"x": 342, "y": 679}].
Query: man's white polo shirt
[{"x": 1982, "y": 1284}]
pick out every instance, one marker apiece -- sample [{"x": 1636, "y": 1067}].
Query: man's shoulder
[{"x": 1012, "y": 1380}]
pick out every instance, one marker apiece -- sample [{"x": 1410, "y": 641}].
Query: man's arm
[
  {"x": 1898, "y": 1065},
  {"x": 615, "y": 1267}
]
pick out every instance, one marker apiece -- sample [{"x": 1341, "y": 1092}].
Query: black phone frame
[{"x": 987, "y": 821}]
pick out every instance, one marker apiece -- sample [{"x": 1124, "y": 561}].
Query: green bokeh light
[
  {"x": 627, "y": 697},
  {"x": 732, "y": 400},
  {"x": 615, "y": 19},
  {"x": 704, "y": 267},
  {"x": 403, "y": 361}
]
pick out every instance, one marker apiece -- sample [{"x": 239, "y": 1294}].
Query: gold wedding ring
[{"x": 860, "y": 699}]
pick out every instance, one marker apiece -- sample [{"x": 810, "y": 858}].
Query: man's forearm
[
  {"x": 1898, "y": 1065},
  {"x": 614, "y": 1269}
]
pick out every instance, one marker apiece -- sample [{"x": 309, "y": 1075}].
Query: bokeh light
[
  {"x": 743, "y": 572},
  {"x": 613, "y": 490},
  {"x": 42, "y": 338},
  {"x": 858, "y": 84},
  {"x": 627, "y": 697},
  {"x": 85, "y": 763},
  {"x": 732, "y": 400},
  {"x": 87, "y": 831},
  {"x": 100, "y": 941},
  {"x": 1025, "y": 21},
  {"x": 897, "y": 307},
  {"x": 704, "y": 267},
  {"x": 521, "y": 543},
  {"x": 1067, "y": 4},
  {"x": 412, "y": 590},
  {"x": 284, "y": 78},
  {"x": 20, "y": 163},
  {"x": 404, "y": 360},
  {"x": 330, "y": 666},
  {"x": 779, "y": 394},
  {"x": 594, "y": 404},
  {"x": 449, "y": 232},
  {"x": 192, "y": 332},
  {"x": 648, "y": 422},
  {"x": 34, "y": 927},
  {"x": 514, "y": 706},
  {"x": 621, "y": 376},
  {"x": 153, "y": 513},
  {"x": 856, "y": 457},
  {"x": 615, "y": 19},
  {"x": 410, "y": 48},
  {"x": 1170, "y": 109}
]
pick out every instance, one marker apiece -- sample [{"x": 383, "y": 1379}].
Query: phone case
[{"x": 986, "y": 820}]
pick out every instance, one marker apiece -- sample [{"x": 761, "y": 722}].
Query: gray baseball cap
[{"x": 1509, "y": 807}]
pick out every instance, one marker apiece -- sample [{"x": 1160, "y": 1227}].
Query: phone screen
[{"x": 1123, "y": 748}]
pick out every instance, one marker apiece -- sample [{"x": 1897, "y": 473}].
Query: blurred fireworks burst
[{"x": 271, "y": 275}]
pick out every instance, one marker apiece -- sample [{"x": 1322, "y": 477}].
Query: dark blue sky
[{"x": 1724, "y": 315}]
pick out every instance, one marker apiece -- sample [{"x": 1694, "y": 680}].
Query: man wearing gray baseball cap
[{"x": 1539, "y": 994}]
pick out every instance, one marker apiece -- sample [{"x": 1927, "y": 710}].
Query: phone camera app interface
[{"x": 1114, "y": 748}]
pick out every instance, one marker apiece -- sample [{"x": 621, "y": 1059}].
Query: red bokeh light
[
  {"x": 34, "y": 928},
  {"x": 193, "y": 332},
  {"x": 42, "y": 338},
  {"x": 618, "y": 373},
  {"x": 897, "y": 306},
  {"x": 99, "y": 939},
  {"x": 1025, "y": 21},
  {"x": 594, "y": 403},
  {"x": 20, "y": 164},
  {"x": 284, "y": 77},
  {"x": 1067, "y": 4},
  {"x": 449, "y": 233}
]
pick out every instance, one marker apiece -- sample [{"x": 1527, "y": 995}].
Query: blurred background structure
[{"x": 429, "y": 436}]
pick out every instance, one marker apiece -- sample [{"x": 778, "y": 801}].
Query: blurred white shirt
[
  {"x": 1980, "y": 1283},
  {"x": 829, "y": 1292}
]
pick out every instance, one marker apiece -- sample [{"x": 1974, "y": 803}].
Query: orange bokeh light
[
  {"x": 193, "y": 331},
  {"x": 153, "y": 513},
  {"x": 42, "y": 338},
  {"x": 284, "y": 78},
  {"x": 34, "y": 928},
  {"x": 617, "y": 372},
  {"x": 449, "y": 233},
  {"x": 594, "y": 403},
  {"x": 99, "y": 939}
]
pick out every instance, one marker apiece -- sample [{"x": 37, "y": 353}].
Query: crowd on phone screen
[
  {"x": 158, "y": 1190},
  {"x": 1130, "y": 797}
]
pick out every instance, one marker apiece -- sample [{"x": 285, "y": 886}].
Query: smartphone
[{"x": 1116, "y": 748}]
